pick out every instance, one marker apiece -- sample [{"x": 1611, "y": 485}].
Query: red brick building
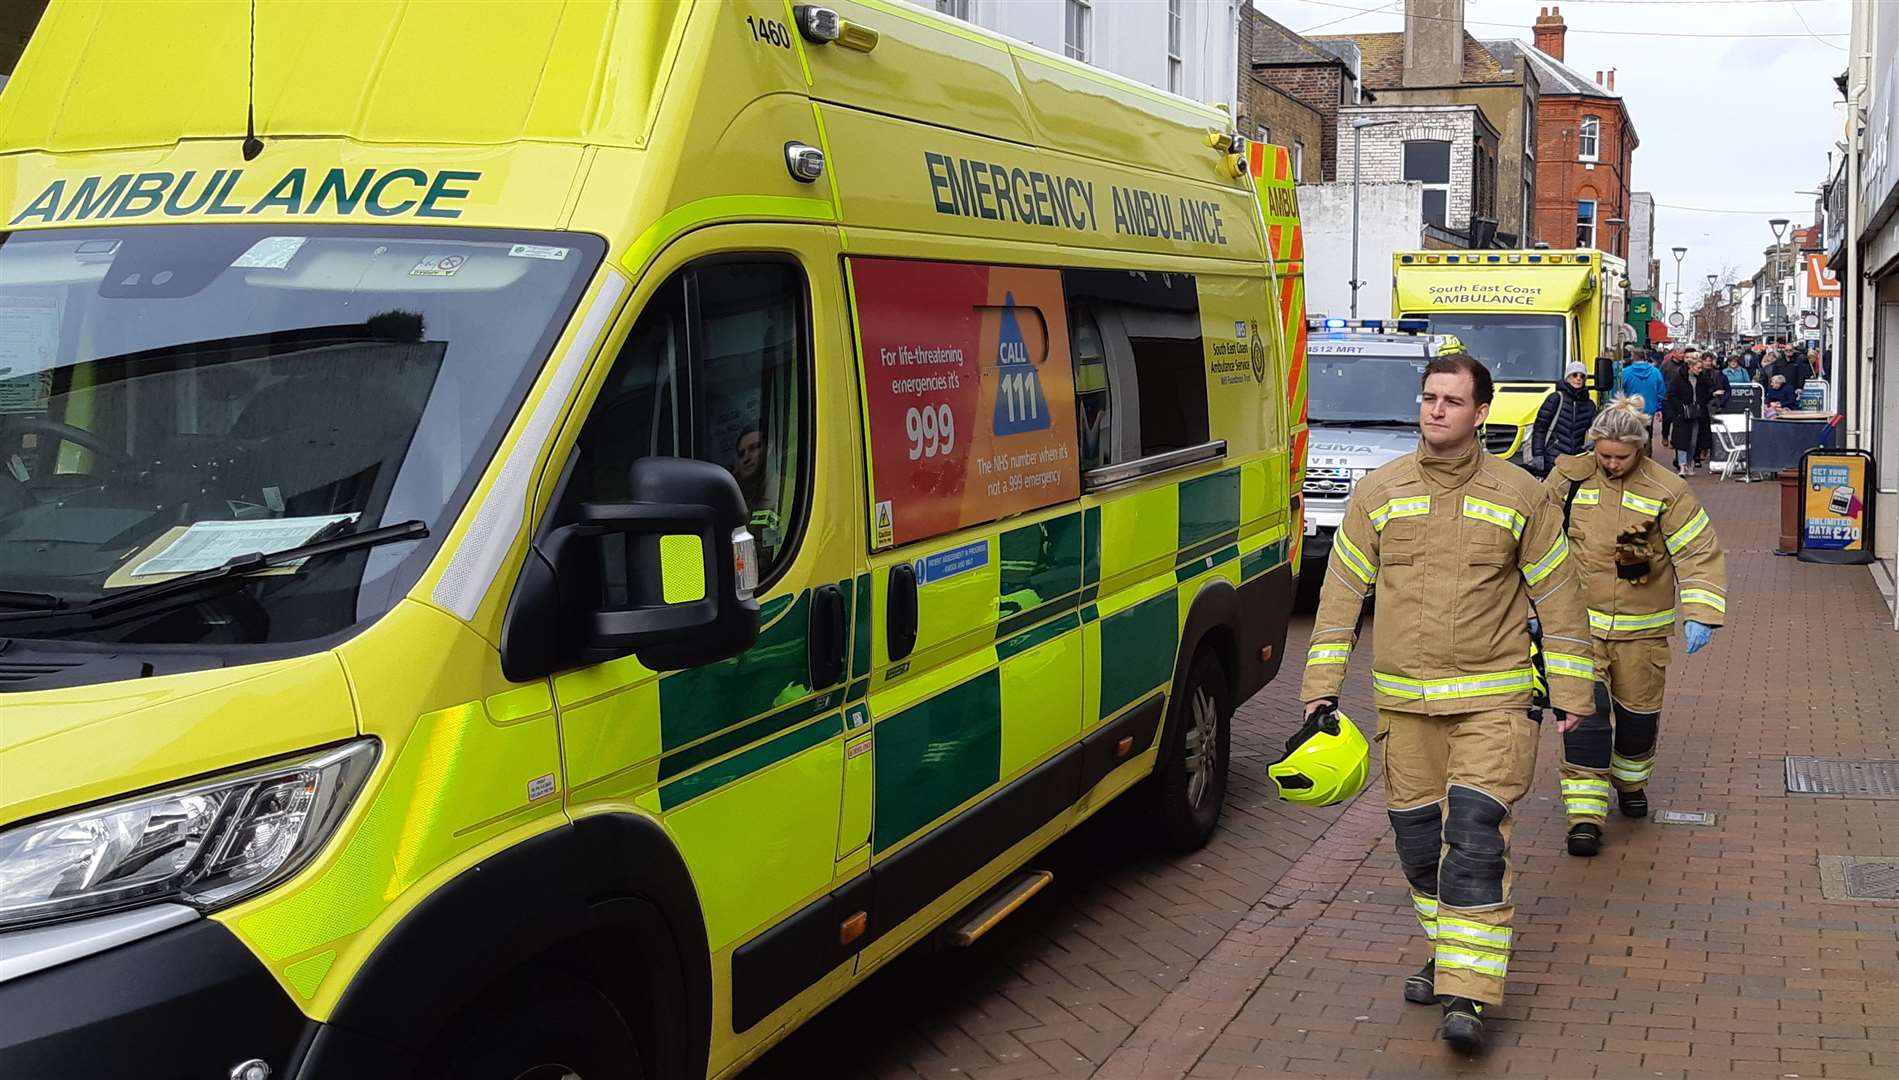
[{"x": 1584, "y": 146}]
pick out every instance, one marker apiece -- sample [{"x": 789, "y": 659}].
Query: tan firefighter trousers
[
  {"x": 1614, "y": 747},
  {"x": 1450, "y": 783}
]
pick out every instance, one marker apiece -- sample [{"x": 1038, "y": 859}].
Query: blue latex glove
[{"x": 1698, "y": 634}]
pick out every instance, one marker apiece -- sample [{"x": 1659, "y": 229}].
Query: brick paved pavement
[{"x": 1680, "y": 952}]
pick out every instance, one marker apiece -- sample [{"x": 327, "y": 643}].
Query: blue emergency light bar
[{"x": 1371, "y": 326}]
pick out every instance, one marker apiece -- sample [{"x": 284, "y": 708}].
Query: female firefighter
[{"x": 1647, "y": 556}]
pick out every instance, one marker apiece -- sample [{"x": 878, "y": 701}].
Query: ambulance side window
[
  {"x": 1140, "y": 372},
  {"x": 715, "y": 369}
]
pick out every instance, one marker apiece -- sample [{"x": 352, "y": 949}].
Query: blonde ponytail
[{"x": 1622, "y": 420}]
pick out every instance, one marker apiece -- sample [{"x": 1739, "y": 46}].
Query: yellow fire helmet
[{"x": 1326, "y": 761}]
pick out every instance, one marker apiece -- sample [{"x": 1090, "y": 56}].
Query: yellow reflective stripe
[
  {"x": 1705, "y": 598},
  {"x": 1641, "y": 505},
  {"x": 1501, "y": 516},
  {"x": 1482, "y": 963},
  {"x": 1547, "y": 565},
  {"x": 1602, "y": 620},
  {"x": 1474, "y": 933},
  {"x": 1426, "y": 905},
  {"x": 1457, "y": 686},
  {"x": 1588, "y": 496},
  {"x": 1355, "y": 560},
  {"x": 1409, "y": 506},
  {"x": 1685, "y": 535},
  {"x": 1581, "y": 667},
  {"x": 1585, "y": 786},
  {"x": 1328, "y": 654},
  {"x": 1629, "y": 769}
]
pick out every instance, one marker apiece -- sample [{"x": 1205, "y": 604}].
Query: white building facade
[
  {"x": 1188, "y": 47},
  {"x": 1641, "y": 244}
]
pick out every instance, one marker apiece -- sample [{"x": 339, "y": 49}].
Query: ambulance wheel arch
[{"x": 606, "y": 902}]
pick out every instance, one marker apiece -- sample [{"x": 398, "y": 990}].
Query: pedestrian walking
[
  {"x": 1643, "y": 380},
  {"x": 1688, "y": 403},
  {"x": 1459, "y": 545},
  {"x": 1647, "y": 556},
  {"x": 1563, "y": 421},
  {"x": 1736, "y": 371}
]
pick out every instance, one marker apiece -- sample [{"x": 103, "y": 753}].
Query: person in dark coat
[
  {"x": 1781, "y": 395},
  {"x": 1797, "y": 369},
  {"x": 1562, "y": 424},
  {"x": 1690, "y": 400}
]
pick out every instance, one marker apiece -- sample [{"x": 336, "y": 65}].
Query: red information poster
[{"x": 971, "y": 394}]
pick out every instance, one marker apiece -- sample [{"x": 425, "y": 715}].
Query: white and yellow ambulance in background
[
  {"x": 1526, "y": 315},
  {"x": 554, "y": 539}
]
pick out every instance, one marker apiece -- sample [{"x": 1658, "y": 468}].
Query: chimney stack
[
  {"x": 1598, "y": 78},
  {"x": 1612, "y": 80},
  {"x": 1433, "y": 42},
  {"x": 1549, "y": 30}
]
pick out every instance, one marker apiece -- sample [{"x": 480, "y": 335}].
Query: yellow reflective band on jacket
[
  {"x": 1409, "y": 506},
  {"x": 1604, "y": 622},
  {"x": 1588, "y": 496},
  {"x": 1328, "y": 654},
  {"x": 1685, "y": 535},
  {"x": 1581, "y": 667},
  {"x": 1705, "y": 598},
  {"x": 1450, "y": 957},
  {"x": 1457, "y": 686},
  {"x": 1629, "y": 770},
  {"x": 1501, "y": 516},
  {"x": 1355, "y": 560},
  {"x": 1640, "y": 505},
  {"x": 1549, "y": 562},
  {"x": 1465, "y": 932}
]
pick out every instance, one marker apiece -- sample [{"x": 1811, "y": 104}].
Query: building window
[
  {"x": 954, "y": 8},
  {"x": 1586, "y": 223},
  {"x": 1076, "y": 30},
  {"x": 1174, "y": 66},
  {"x": 1428, "y": 161},
  {"x": 1589, "y": 140},
  {"x": 1525, "y": 237},
  {"x": 1264, "y": 134},
  {"x": 1298, "y": 160}
]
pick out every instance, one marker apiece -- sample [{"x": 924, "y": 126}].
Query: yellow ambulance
[
  {"x": 550, "y": 540},
  {"x": 1525, "y": 314}
]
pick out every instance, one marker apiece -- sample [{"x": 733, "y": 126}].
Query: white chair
[{"x": 1733, "y": 449}]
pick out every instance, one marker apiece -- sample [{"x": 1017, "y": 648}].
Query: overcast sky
[{"x": 1726, "y": 123}]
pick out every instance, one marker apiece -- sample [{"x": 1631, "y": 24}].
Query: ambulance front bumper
[{"x": 187, "y": 1002}]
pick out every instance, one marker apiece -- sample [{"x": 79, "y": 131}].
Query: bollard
[{"x": 1789, "y": 512}]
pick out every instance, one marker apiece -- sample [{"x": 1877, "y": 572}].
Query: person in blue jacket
[{"x": 1643, "y": 380}]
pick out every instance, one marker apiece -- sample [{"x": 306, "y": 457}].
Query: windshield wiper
[
  {"x": 188, "y": 587},
  {"x": 29, "y": 601}
]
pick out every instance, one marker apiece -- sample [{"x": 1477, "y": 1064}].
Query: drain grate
[
  {"x": 1684, "y": 817},
  {"x": 1849, "y": 877},
  {"x": 1835, "y": 776}
]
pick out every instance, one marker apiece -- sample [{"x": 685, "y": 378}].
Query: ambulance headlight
[{"x": 205, "y": 844}]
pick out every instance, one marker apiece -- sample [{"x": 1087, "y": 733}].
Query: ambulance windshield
[
  {"x": 1363, "y": 383},
  {"x": 174, "y": 396},
  {"x": 1516, "y": 348}
]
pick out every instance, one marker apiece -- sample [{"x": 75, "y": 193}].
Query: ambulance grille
[{"x": 1498, "y": 437}]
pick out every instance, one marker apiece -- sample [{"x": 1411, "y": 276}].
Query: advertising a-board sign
[{"x": 1836, "y": 496}]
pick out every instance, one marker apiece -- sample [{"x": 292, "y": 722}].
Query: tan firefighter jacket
[
  {"x": 1652, "y": 522},
  {"x": 1457, "y": 550}
]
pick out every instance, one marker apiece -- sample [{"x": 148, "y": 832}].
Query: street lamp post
[
  {"x": 1779, "y": 225},
  {"x": 1358, "y": 128},
  {"x": 1615, "y": 225},
  {"x": 1679, "y": 253}
]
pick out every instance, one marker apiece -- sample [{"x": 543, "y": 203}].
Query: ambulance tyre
[
  {"x": 1180, "y": 803},
  {"x": 553, "y": 1027}
]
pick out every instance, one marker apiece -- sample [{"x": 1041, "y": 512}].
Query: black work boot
[
  {"x": 1585, "y": 839},
  {"x": 1463, "y": 1025},
  {"x": 1633, "y": 803},
  {"x": 1420, "y": 989}
]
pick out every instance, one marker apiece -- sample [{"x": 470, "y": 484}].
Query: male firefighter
[
  {"x": 1646, "y": 554},
  {"x": 1459, "y": 545}
]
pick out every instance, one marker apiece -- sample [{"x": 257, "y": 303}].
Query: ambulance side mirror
[
  {"x": 1605, "y": 376},
  {"x": 666, "y": 576}
]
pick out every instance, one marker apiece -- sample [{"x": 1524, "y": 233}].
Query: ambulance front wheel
[
  {"x": 557, "y": 1027},
  {"x": 1182, "y": 800}
]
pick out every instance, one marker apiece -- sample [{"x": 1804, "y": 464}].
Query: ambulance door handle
[
  {"x": 827, "y": 636},
  {"x": 900, "y": 630}
]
